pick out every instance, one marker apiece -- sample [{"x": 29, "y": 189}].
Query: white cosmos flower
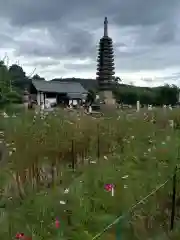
[
  {"x": 10, "y": 153},
  {"x": 93, "y": 162},
  {"x": 125, "y": 176},
  {"x": 66, "y": 190}
]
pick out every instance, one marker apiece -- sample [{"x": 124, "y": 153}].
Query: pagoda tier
[
  {"x": 104, "y": 72},
  {"x": 109, "y": 57},
  {"x": 105, "y": 62},
  {"x": 106, "y": 52},
  {"x": 105, "y": 68}
]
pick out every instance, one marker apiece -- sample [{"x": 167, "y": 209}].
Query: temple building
[
  {"x": 105, "y": 67},
  {"x": 59, "y": 92}
]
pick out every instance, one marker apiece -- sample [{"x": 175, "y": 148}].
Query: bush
[{"x": 14, "y": 97}]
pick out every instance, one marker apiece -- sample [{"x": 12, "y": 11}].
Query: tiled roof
[
  {"x": 86, "y": 83},
  {"x": 58, "y": 87}
]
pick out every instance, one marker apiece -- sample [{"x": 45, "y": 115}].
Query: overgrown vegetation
[
  {"x": 167, "y": 94},
  {"x": 57, "y": 164},
  {"x": 12, "y": 83}
]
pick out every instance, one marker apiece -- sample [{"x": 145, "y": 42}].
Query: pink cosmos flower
[{"x": 57, "y": 223}]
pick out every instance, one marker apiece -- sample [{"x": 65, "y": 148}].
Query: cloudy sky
[{"x": 60, "y": 37}]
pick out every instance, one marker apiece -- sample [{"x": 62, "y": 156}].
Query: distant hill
[{"x": 91, "y": 84}]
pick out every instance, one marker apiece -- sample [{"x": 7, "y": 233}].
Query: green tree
[
  {"x": 91, "y": 96},
  {"x": 37, "y": 77},
  {"x": 5, "y": 83},
  {"x": 167, "y": 94},
  {"x": 18, "y": 77}
]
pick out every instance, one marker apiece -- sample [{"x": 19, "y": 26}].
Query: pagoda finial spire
[{"x": 105, "y": 27}]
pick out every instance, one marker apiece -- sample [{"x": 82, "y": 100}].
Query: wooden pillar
[
  {"x": 44, "y": 98},
  {"x": 38, "y": 98}
]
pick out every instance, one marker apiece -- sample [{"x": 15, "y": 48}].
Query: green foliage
[
  {"x": 14, "y": 97},
  {"x": 136, "y": 155},
  {"x": 13, "y": 80},
  {"x": 37, "y": 77},
  {"x": 5, "y": 83},
  {"x": 18, "y": 77},
  {"x": 91, "y": 96},
  {"x": 157, "y": 96},
  {"x": 128, "y": 94}
]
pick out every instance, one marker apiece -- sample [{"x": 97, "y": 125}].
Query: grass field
[{"x": 57, "y": 164}]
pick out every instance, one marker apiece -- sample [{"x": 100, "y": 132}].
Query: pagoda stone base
[
  {"x": 109, "y": 101},
  {"x": 107, "y": 97}
]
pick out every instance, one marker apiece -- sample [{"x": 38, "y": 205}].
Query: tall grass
[{"x": 48, "y": 153}]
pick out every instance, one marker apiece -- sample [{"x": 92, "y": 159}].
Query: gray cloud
[
  {"x": 68, "y": 44},
  {"x": 129, "y": 12},
  {"x": 146, "y": 33},
  {"x": 45, "y": 62},
  {"x": 81, "y": 67},
  {"x": 173, "y": 78},
  {"x": 140, "y": 12},
  {"x": 165, "y": 33},
  {"x": 5, "y": 40},
  {"x": 31, "y": 48}
]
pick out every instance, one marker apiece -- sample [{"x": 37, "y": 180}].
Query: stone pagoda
[{"x": 105, "y": 67}]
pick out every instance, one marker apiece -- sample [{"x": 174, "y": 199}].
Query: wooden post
[
  {"x": 72, "y": 154},
  {"x": 173, "y": 206},
  {"x": 138, "y": 106},
  {"x": 69, "y": 214},
  {"x": 98, "y": 142}
]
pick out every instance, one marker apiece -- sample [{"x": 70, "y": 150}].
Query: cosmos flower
[
  {"x": 109, "y": 187},
  {"x": 19, "y": 235},
  {"x": 66, "y": 190},
  {"x": 124, "y": 177},
  {"x": 57, "y": 223},
  {"x": 22, "y": 236}
]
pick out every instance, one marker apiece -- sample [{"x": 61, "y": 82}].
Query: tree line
[
  {"x": 128, "y": 94},
  {"x": 13, "y": 81},
  {"x": 167, "y": 94}
]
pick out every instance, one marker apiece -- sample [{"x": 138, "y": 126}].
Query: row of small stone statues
[{"x": 138, "y": 106}]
